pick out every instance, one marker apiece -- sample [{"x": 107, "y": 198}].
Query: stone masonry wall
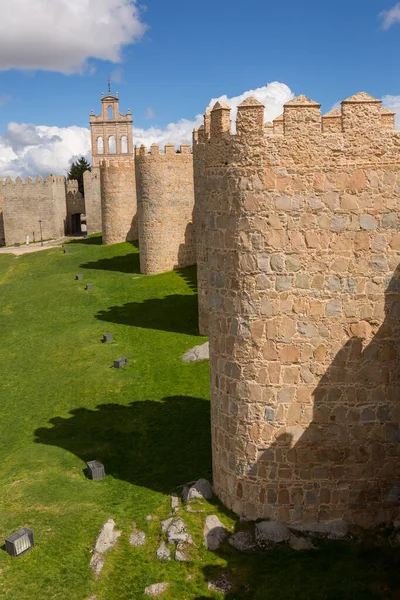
[
  {"x": 92, "y": 187},
  {"x": 200, "y": 137},
  {"x": 165, "y": 208},
  {"x": 118, "y": 200},
  {"x": 75, "y": 203},
  {"x": 303, "y": 288},
  {"x": 24, "y": 204}
]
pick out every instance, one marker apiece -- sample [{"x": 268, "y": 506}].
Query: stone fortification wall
[
  {"x": 304, "y": 297},
  {"x": 75, "y": 203},
  {"x": 92, "y": 187},
  {"x": 24, "y": 204},
  {"x": 2, "y": 232},
  {"x": 200, "y": 138},
  {"x": 165, "y": 207},
  {"x": 118, "y": 200}
]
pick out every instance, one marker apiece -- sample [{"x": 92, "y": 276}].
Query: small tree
[{"x": 77, "y": 170}]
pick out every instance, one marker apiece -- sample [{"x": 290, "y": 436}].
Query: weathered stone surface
[
  {"x": 197, "y": 353},
  {"x": 302, "y": 221},
  {"x": 97, "y": 563},
  {"x": 157, "y": 589},
  {"x": 394, "y": 538},
  {"x": 221, "y": 584},
  {"x": 181, "y": 553},
  {"x": 163, "y": 552},
  {"x": 269, "y": 533},
  {"x": 107, "y": 537},
  {"x": 138, "y": 538},
  {"x": 336, "y": 529},
  {"x": 165, "y": 207},
  {"x": 176, "y": 529},
  {"x": 214, "y": 532},
  {"x": 201, "y": 490},
  {"x": 243, "y": 541},
  {"x": 174, "y": 502},
  {"x": 165, "y": 524},
  {"x": 300, "y": 543}
]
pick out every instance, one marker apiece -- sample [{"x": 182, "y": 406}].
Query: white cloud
[
  {"x": 273, "y": 96},
  {"x": 38, "y": 150},
  {"x": 27, "y": 149},
  {"x": 390, "y": 17},
  {"x": 393, "y": 103},
  {"x": 62, "y": 35}
]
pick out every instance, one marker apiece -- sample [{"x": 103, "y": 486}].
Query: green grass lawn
[{"x": 62, "y": 403}]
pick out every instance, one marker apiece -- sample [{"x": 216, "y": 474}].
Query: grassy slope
[{"x": 61, "y": 404}]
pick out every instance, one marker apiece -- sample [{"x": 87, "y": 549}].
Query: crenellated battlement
[
  {"x": 155, "y": 151},
  {"x": 301, "y": 117},
  {"x": 50, "y": 179}
]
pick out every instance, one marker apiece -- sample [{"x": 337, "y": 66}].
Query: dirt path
[{"x": 36, "y": 247}]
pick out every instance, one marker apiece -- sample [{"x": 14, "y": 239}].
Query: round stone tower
[
  {"x": 118, "y": 200},
  {"x": 303, "y": 290}
]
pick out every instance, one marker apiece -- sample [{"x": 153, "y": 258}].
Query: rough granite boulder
[
  {"x": 214, "y": 533},
  {"x": 138, "y": 538},
  {"x": 97, "y": 563},
  {"x": 197, "y": 353},
  {"x": 269, "y": 533},
  {"x": 163, "y": 552},
  {"x": 334, "y": 530},
  {"x": 107, "y": 537},
  {"x": 176, "y": 530},
  {"x": 156, "y": 589},
  {"x": 201, "y": 490},
  {"x": 243, "y": 541}
]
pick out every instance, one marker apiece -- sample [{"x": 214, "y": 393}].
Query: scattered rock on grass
[
  {"x": 165, "y": 524},
  {"x": 97, "y": 563},
  {"x": 197, "y": 353},
  {"x": 175, "y": 530},
  {"x": 269, "y": 533},
  {"x": 300, "y": 543},
  {"x": 243, "y": 541},
  {"x": 180, "y": 554},
  {"x": 221, "y": 584},
  {"x": 156, "y": 589},
  {"x": 138, "y": 538},
  {"x": 163, "y": 552},
  {"x": 107, "y": 537},
  {"x": 201, "y": 490},
  {"x": 106, "y": 540},
  {"x": 214, "y": 532},
  {"x": 174, "y": 502},
  {"x": 149, "y": 518}
]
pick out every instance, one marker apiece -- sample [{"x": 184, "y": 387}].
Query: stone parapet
[{"x": 302, "y": 282}]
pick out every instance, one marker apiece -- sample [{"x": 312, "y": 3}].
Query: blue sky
[{"x": 172, "y": 57}]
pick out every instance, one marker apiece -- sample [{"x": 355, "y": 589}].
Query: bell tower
[{"x": 111, "y": 132}]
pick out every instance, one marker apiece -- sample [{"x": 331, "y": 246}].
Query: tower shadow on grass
[
  {"x": 128, "y": 263},
  {"x": 157, "y": 445},
  {"x": 176, "y": 313}
]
